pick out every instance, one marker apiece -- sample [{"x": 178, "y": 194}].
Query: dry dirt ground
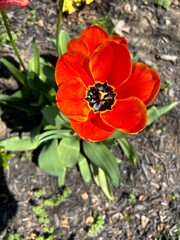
[{"x": 147, "y": 204}]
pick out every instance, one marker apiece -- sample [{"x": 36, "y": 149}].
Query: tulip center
[{"x": 100, "y": 97}]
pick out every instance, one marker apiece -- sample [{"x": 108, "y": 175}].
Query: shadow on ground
[{"x": 8, "y": 204}]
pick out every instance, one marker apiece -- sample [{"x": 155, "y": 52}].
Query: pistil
[{"x": 100, "y": 97}]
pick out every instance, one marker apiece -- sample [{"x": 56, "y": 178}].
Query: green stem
[
  {"x": 4, "y": 17},
  {"x": 61, "y": 2}
]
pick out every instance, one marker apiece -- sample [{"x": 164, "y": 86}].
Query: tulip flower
[
  {"x": 8, "y": 4},
  {"x": 100, "y": 89}
]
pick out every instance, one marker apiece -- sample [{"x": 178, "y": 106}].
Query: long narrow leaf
[
  {"x": 35, "y": 83},
  {"x": 18, "y": 104},
  {"x": 100, "y": 156},
  {"x": 104, "y": 184},
  {"x": 61, "y": 3},
  {"x": 127, "y": 149},
  {"x": 154, "y": 113},
  {"x": 19, "y": 144},
  {"x": 61, "y": 178},
  {"x": 84, "y": 169},
  {"x": 36, "y": 131},
  {"x": 64, "y": 39},
  {"x": 21, "y": 77},
  {"x": 47, "y": 73},
  {"x": 95, "y": 171},
  {"x": 52, "y": 134},
  {"x": 166, "y": 108},
  {"x": 36, "y": 57}
]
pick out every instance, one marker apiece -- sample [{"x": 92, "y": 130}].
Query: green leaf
[
  {"x": 164, "y": 3},
  {"x": 116, "y": 135},
  {"x": 21, "y": 100},
  {"x": 61, "y": 178},
  {"x": 35, "y": 131},
  {"x": 101, "y": 156},
  {"x": 69, "y": 150},
  {"x": 94, "y": 170},
  {"x": 127, "y": 149},
  {"x": 36, "y": 59},
  {"x": 47, "y": 74},
  {"x": 84, "y": 169},
  {"x": 135, "y": 59},
  {"x": 63, "y": 41},
  {"x": 52, "y": 134},
  {"x": 35, "y": 83},
  {"x": 4, "y": 156},
  {"x": 53, "y": 116},
  {"x": 49, "y": 159},
  {"x": 43, "y": 82},
  {"x": 101, "y": 180},
  {"x": 154, "y": 113},
  {"x": 3, "y": 162},
  {"x": 52, "y": 41},
  {"x": 19, "y": 144},
  {"x": 65, "y": 118},
  {"x": 104, "y": 184},
  {"x": 21, "y": 77},
  {"x": 166, "y": 108}
]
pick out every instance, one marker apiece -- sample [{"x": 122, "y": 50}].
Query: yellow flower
[
  {"x": 68, "y": 6},
  {"x": 89, "y": 1}
]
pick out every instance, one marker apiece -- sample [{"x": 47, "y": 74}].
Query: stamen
[{"x": 100, "y": 97}]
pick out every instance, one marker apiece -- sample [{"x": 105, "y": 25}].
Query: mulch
[{"x": 147, "y": 204}]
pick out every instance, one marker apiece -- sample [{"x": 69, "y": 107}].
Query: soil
[{"x": 147, "y": 204}]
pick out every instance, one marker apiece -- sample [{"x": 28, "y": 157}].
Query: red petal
[
  {"x": 78, "y": 45},
  {"x": 111, "y": 62},
  {"x": 92, "y": 37},
  {"x": 8, "y": 4},
  {"x": 143, "y": 83},
  {"x": 127, "y": 115},
  {"x": 118, "y": 39},
  {"x": 92, "y": 130},
  {"x": 72, "y": 65},
  {"x": 71, "y": 100}
]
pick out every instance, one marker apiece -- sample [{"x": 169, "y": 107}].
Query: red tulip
[
  {"x": 99, "y": 88},
  {"x": 91, "y": 38},
  {"x": 8, "y": 4}
]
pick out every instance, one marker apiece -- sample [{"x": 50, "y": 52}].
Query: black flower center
[{"x": 100, "y": 97}]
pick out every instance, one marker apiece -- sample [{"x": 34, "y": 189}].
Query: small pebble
[
  {"x": 40, "y": 23},
  {"x": 134, "y": 8},
  {"x": 167, "y": 22},
  {"x": 161, "y": 227},
  {"x": 141, "y": 197},
  {"x": 171, "y": 93},
  {"x": 84, "y": 196},
  {"x": 89, "y": 220},
  {"x": 33, "y": 235},
  {"x": 176, "y": 2},
  {"x": 152, "y": 170},
  {"x": 144, "y": 221},
  {"x": 127, "y": 8},
  {"x": 64, "y": 222}
]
